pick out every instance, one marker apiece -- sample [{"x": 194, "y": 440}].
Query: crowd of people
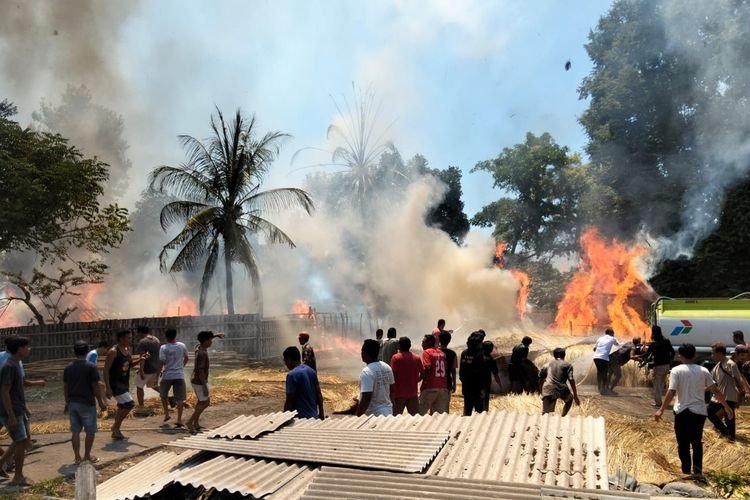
[
  {"x": 393, "y": 380},
  {"x": 160, "y": 367}
]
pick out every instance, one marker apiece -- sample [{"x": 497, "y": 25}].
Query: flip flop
[
  {"x": 179, "y": 424},
  {"x": 24, "y": 483},
  {"x": 118, "y": 437},
  {"x": 92, "y": 460}
]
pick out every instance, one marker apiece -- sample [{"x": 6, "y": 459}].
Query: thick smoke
[
  {"x": 44, "y": 46},
  {"x": 696, "y": 31},
  {"x": 413, "y": 272}
]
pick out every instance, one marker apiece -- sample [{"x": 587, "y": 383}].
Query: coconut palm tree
[
  {"x": 361, "y": 143},
  {"x": 220, "y": 204}
]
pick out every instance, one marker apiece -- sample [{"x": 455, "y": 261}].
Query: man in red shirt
[
  {"x": 434, "y": 397},
  {"x": 407, "y": 371}
]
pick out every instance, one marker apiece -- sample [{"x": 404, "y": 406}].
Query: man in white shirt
[
  {"x": 601, "y": 358},
  {"x": 375, "y": 383},
  {"x": 173, "y": 357},
  {"x": 689, "y": 382}
]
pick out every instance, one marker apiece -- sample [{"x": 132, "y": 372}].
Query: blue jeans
[
  {"x": 82, "y": 417},
  {"x": 21, "y": 431}
]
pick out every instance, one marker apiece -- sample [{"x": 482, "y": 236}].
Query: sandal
[
  {"x": 23, "y": 482},
  {"x": 92, "y": 460},
  {"x": 118, "y": 437}
]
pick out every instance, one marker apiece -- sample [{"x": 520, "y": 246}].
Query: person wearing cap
[
  {"x": 308, "y": 353},
  {"x": 199, "y": 379},
  {"x": 82, "y": 390}
]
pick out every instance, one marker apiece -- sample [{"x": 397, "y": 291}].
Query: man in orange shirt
[{"x": 434, "y": 396}]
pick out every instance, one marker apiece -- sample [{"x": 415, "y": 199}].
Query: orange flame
[
  {"x": 339, "y": 344},
  {"x": 181, "y": 306},
  {"x": 10, "y": 312},
  {"x": 601, "y": 290},
  {"x": 301, "y": 308},
  {"x": 87, "y": 310},
  {"x": 521, "y": 277}
]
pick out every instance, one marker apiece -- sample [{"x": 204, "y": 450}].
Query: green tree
[
  {"x": 49, "y": 201},
  {"x": 542, "y": 216},
  {"x": 49, "y": 206},
  {"x": 220, "y": 204}
]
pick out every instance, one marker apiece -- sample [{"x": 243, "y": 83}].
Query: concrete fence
[{"x": 258, "y": 338}]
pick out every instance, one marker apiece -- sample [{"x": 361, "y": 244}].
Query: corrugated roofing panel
[
  {"x": 295, "y": 487},
  {"x": 333, "y": 483},
  {"x": 250, "y": 427},
  {"x": 147, "y": 477},
  {"x": 523, "y": 448},
  {"x": 248, "y": 477},
  {"x": 382, "y": 450}
]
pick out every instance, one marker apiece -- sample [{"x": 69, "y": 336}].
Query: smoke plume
[
  {"x": 712, "y": 37},
  {"x": 410, "y": 272}
]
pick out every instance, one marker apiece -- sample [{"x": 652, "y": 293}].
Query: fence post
[{"x": 86, "y": 482}]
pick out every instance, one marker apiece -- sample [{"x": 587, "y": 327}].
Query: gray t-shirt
[
  {"x": 173, "y": 356},
  {"x": 557, "y": 373},
  {"x": 149, "y": 344},
  {"x": 726, "y": 374}
]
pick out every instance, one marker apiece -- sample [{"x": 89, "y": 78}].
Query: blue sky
[{"x": 459, "y": 80}]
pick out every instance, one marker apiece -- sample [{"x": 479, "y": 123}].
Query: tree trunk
[
  {"x": 258, "y": 290},
  {"x": 228, "y": 269}
]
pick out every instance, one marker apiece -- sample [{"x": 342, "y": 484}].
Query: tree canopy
[
  {"x": 545, "y": 183},
  {"x": 49, "y": 195}
]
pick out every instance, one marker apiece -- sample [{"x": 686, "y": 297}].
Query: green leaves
[
  {"x": 542, "y": 215},
  {"x": 219, "y": 202}
]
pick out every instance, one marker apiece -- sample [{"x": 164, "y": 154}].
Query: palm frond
[
  {"x": 182, "y": 182},
  {"x": 179, "y": 211},
  {"x": 274, "y": 235},
  {"x": 192, "y": 251},
  {"x": 276, "y": 200}
]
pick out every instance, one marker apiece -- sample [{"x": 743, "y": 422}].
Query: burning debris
[{"x": 607, "y": 289}]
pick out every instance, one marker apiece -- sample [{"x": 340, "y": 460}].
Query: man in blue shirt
[{"x": 302, "y": 387}]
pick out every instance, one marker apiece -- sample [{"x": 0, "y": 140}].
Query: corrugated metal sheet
[
  {"x": 517, "y": 447},
  {"x": 246, "y": 476},
  {"x": 250, "y": 427},
  {"x": 407, "y": 452},
  {"x": 296, "y": 487},
  {"x": 503, "y": 446},
  {"x": 333, "y": 483},
  {"x": 147, "y": 477}
]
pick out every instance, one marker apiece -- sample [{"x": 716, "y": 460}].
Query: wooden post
[{"x": 86, "y": 482}]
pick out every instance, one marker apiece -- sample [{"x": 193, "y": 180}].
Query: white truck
[{"x": 703, "y": 321}]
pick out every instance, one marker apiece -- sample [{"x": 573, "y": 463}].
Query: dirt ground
[{"x": 636, "y": 443}]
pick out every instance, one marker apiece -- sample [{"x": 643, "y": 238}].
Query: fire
[
  {"x": 608, "y": 278},
  {"x": 339, "y": 344},
  {"x": 87, "y": 310},
  {"x": 301, "y": 308},
  {"x": 521, "y": 277},
  {"x": 10, "y": 312},
  {"x": 181, "y": 306}
]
